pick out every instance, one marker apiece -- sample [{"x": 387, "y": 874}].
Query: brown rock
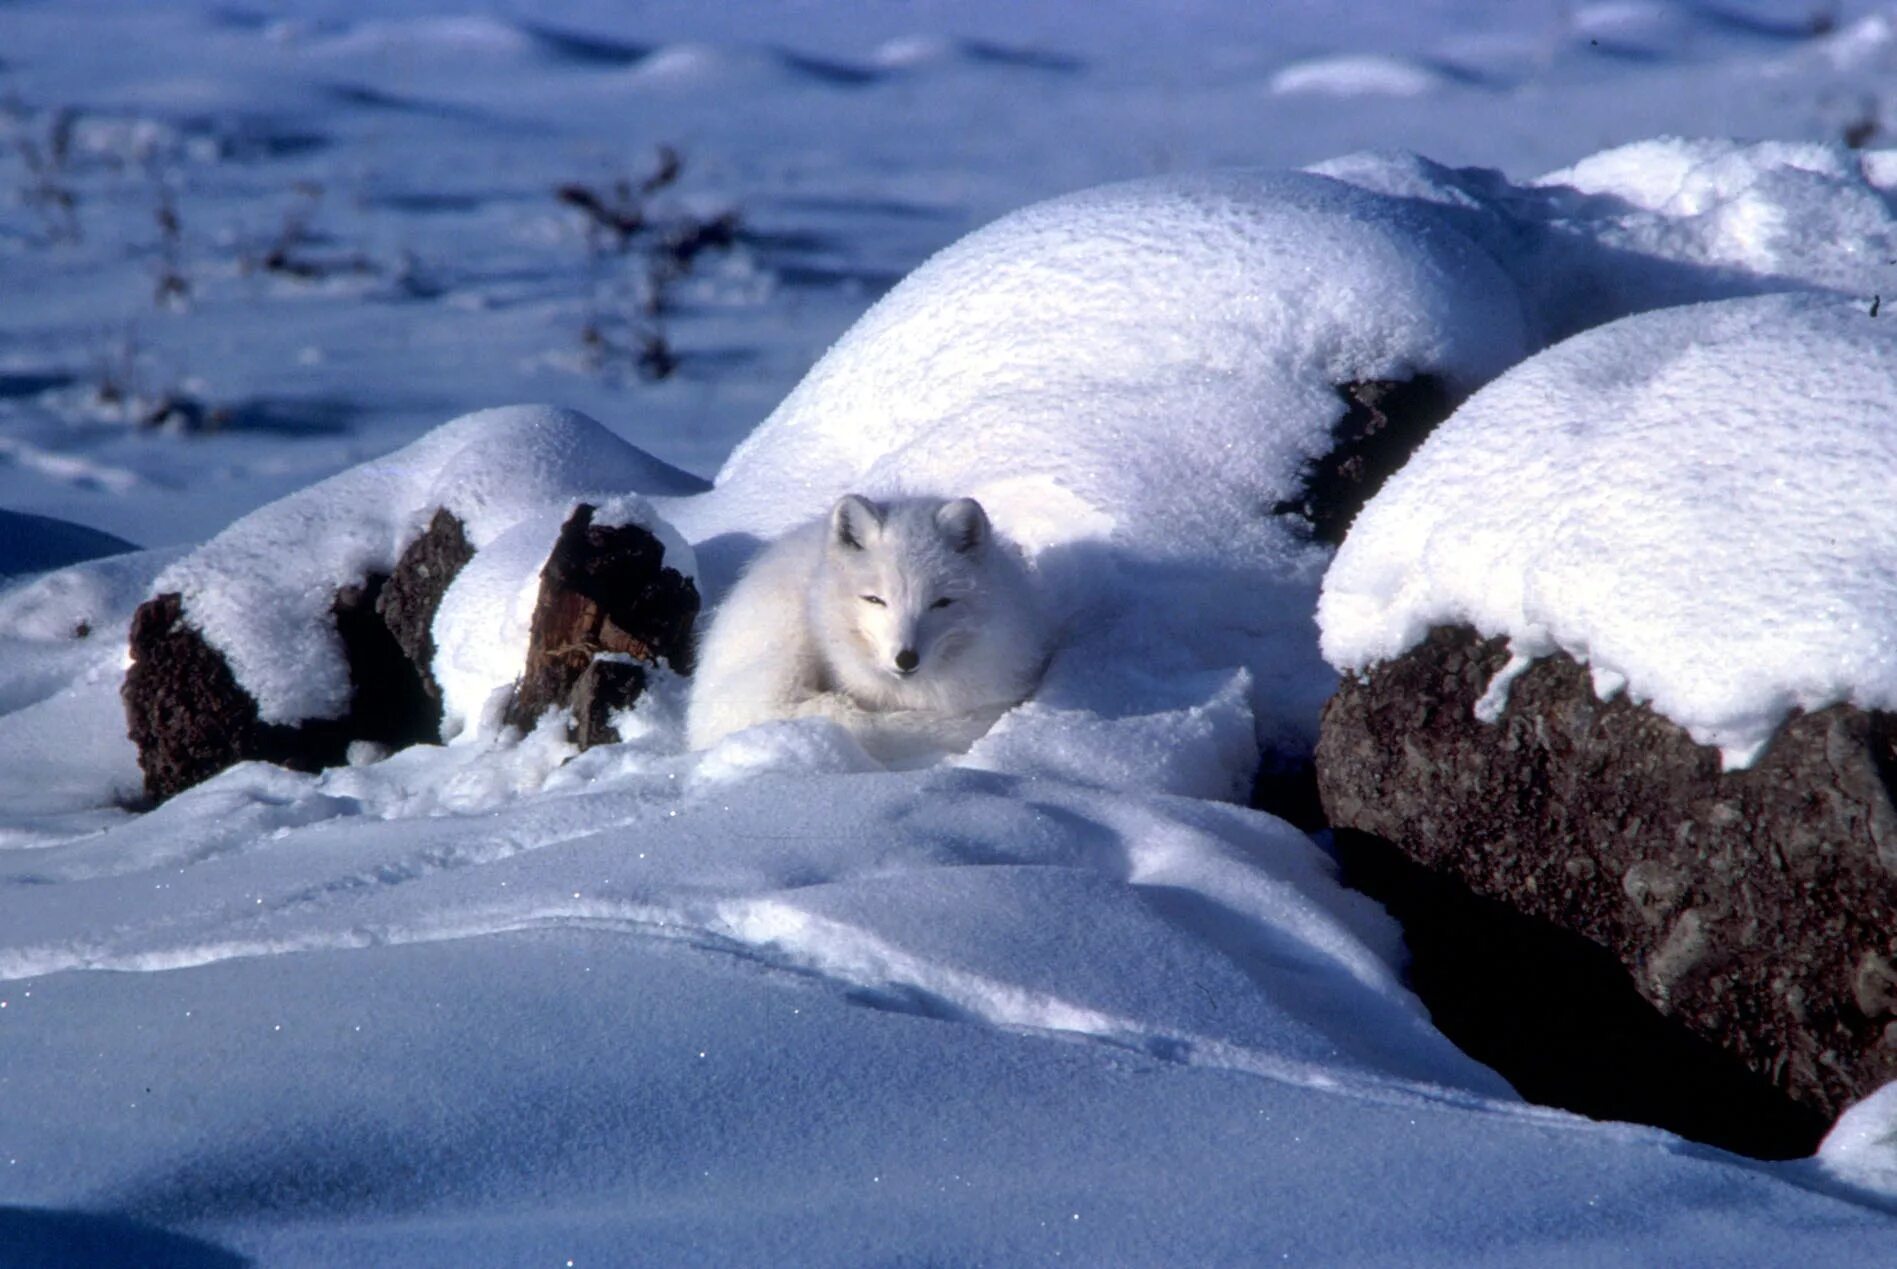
[
  {"x": 190, "y": 718},
  {"x": 604, "y": 589},
  {"x": 1754, "y": 909},
  {"x": 407, "y": 605}
]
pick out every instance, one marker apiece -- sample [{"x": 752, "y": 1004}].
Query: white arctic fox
[{"x": 908, "y": 621}]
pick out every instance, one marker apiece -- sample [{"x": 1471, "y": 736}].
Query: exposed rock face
[
  {"x": 1384, "y": 421},
  {"x": 191, "y": 718},
  {"x": 1754, "y": 908},
  {"x": 604, "y": 590},
  {"x": 408, "y": 603}
]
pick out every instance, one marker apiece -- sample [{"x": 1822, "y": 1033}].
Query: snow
[
  {"x": 497, "y": 1002},
  {"x": 1687, "y": 501},
  {"x": 1352, "y": 75}
]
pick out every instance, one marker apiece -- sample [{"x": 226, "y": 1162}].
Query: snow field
[{"x": 495, "y": 1002}]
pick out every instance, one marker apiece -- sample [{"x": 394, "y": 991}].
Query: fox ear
[
  {"x": 964, "y": 524},
  {"x": 854, "y": 521}
]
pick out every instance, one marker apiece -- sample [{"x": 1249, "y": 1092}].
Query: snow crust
[
  {"x": 260, "y": 592},
  {"x": 1688, "y": 501}
]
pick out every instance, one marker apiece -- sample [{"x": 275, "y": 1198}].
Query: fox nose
[{"x": 906, "y": 660}]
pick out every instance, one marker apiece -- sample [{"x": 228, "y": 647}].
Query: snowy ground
[{"x": 491, "y": 1003}]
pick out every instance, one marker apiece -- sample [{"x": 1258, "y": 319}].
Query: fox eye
[
  {"x": 943, "y": 602},
  {"x": 872, "y": 599}
]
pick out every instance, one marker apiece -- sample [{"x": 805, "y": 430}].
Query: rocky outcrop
[
  {"x": 609, "y": 610},
  {"x": 1752, "y": 909}
]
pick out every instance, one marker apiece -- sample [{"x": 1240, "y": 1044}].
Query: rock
[
  {"x": 407, "y": 604},
  {"x": 183, "y": 707},
  {"x": 190, "y": 718},
  {"x": 609, "y": 683},
  {"x": 604, "y": 590},
  {"x": 1752, "y": 909},
  {"x": 1384, "y": 421}
]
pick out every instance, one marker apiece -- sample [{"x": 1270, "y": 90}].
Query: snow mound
[
  {"x": 1664, "y": 222},
  {"x": 1691, "y": 501},
  {"x": 1130, "y": 378},
  {"x": 260, "y": 592},
  {"x": 1360, "y": 75},
  {"x": 1795, "y": 210},
  {"x": 448, "y": 36},
  {"x": 1150, "y": 322}
]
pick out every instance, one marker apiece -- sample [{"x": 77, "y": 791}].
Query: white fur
[{"x": 802, "y": 632}]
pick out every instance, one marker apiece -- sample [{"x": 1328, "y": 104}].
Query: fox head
[{"x": 902, "y": 586}]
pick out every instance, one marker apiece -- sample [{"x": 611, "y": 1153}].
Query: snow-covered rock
[
  {"x": 261, "y": 591},
  {"x": 1691, "y": 502},
  {"x": 1664, "y": 222}
]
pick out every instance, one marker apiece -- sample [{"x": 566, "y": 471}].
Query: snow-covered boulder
[
  {"x": 325, "y": 618},
  {"x": 1574, "y": 630},
  {"x": 1133, "y": 380}
]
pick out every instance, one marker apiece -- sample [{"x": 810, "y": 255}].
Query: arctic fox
[{"x": 909, "y": 621}]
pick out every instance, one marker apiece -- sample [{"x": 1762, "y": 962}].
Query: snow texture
[{"x": 1689, "y": 501}]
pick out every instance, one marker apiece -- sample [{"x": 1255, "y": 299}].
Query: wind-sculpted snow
[
  {"x": 1690, "y": 501},
  {"x": 1190, "y": 930}
]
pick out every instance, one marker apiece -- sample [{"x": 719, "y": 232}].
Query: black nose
[{"x": 906, "y": 660}]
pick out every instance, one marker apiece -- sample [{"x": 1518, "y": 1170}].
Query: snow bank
[
  {"x": 1129, "y": 379},
  {"x": 260, "y": 592},
  {"x": 1692, "y": 501}
]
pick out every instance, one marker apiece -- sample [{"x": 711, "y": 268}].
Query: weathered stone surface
[
  {"x": 1384, "y": 421},
  {"x": 604, "y": 589},
  {"x": 1755, "y": 908},
  {"x": 190, "y": 718},
  {"x": 408, "y": 602}
]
